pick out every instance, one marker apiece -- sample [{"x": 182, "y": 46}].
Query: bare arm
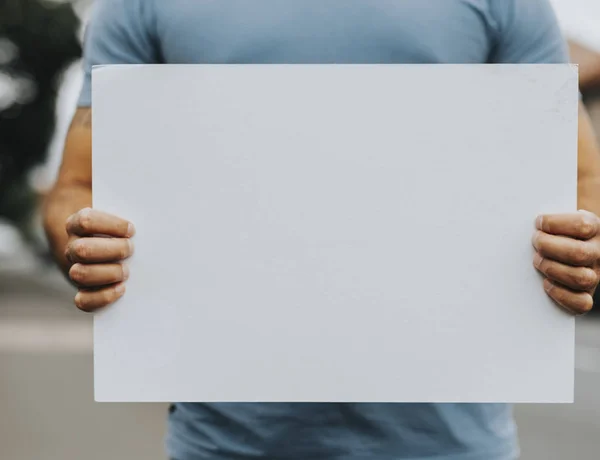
[
  {"x": 568, "y": 245},
  {"x": 588, "y": 166},
  {"x": 73, "y": 189},
  {"x": 89, "y": 245},
  {"x": 589, "y": 65}
]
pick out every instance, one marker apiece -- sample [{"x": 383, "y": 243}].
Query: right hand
[{"x": 98, "y": 267}]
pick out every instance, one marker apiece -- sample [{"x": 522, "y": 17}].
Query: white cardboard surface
[{"x": 334, "y": 233}]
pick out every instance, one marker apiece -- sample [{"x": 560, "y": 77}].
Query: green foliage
[{"x": 38, "y": 40}]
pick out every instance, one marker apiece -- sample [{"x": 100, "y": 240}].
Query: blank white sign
[{"x": 334, "y": 232}]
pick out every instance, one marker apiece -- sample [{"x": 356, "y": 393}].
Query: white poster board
[{"x": 334, "y": 233}]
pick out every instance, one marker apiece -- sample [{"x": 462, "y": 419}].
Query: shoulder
[
  {"x": 506, "y": 12},
  {"x": 121, "y": 31},
  {"x": 527, "y": 31},
  {"x": 121, "y": 20},
  {"x": 118, "y": 32},
  {"x": 140, "y": 10}
]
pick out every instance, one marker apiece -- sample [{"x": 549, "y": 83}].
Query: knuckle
[
  {"x": 587, "y": 279},
  {"x": 69, "y": 253},
  {"x": 69, "y": 222},
  {"x": 80, "y": 249},
  {"x": 78, "y": 273},
  {"x": 581, "y": 254},
  {"x": 85, "y": 218},
  {"x": 586, "y": 227}
]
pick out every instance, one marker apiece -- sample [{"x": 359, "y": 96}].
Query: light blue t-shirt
[{"x": 329, "y": 31}]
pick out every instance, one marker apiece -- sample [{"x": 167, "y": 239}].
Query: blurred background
[{"x": 47, "y": 410}]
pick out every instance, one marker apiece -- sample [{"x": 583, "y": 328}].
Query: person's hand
[
  {"x": 568, "y": 255},
  {"x": 98, "y": 244}
]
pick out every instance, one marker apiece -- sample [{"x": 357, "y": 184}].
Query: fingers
[
  {"x": 582, "y": 225},
  {"x": 566, "y": 250},
  {"x": 92, "y": 222},
  {"x": 97, "y": 250},
  {"x": 98, "y": 275},
  {"x": 576, "y": 278},
  {"x": 91, "y": 300},
  {"x": 95, "y": 259},
  {"x": 574, "y": 302}
]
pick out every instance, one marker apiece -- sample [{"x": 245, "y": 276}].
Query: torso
[
  {"x": 330, "y": 31},
  {"x": 326, "y": 31}
]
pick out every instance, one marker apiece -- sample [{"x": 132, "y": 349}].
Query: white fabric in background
[{"x": 580, "y": 21}]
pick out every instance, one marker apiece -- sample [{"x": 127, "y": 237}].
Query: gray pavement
[{"x": 47, "y": 410}]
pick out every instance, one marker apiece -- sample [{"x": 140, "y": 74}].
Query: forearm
[
  {"x": 588, "y": 183},
  {"x": 589, "y": 65},
  {"x": 588, "y": 191},
  {"x": 63, "y": 201},
  {"x": 73, "y": 189}
]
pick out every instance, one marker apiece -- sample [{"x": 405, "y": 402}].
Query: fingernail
[
  {"x": 548, "y": 286},
  {"x": 131, "y": 247},
  {"x": 539, "y": 222},
  {"x": 537, "y": 260},
  {"x": 120, "y": 289},
  {"x": 536, "y": 237},
  {"x": 130, "y": 230},
  {"x": 125, "y": 272}
]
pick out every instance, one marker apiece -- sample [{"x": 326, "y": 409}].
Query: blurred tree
[{"x": 38, "y": 40}]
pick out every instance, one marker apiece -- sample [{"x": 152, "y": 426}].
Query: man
[{"x": 328, "y": 31}]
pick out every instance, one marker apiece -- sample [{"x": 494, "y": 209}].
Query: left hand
[{"x": 568, "y": 255}]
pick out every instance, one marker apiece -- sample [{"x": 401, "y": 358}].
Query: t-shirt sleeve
[
  {"x": 119, "y": 32},
  {"x": 527, "y": 31}
]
